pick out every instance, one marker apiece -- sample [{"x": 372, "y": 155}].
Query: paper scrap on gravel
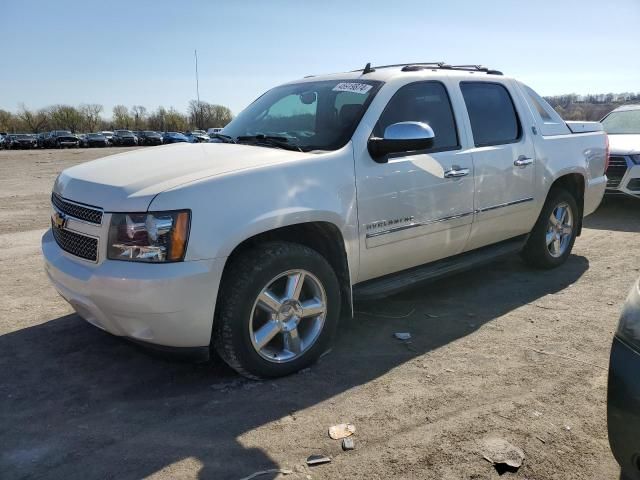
[{"x": 341, "y": 431}]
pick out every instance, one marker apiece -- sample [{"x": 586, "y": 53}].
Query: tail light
[{"x": 607, "y": 150}]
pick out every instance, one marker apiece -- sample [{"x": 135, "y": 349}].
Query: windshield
[
  {"x": 22, "y": 135},
  {"x": 63, "y": 132},
  {"x": 147, "y": 132},
  {"x": 95, "y": 135},
  {"x": 622, "y": 123},
  {"x": 311, "y": 116}
]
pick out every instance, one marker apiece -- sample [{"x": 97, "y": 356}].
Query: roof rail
[{"x": 414, "y": 66}]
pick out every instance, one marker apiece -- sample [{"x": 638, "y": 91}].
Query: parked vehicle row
[{"x": 66, "y": 139}]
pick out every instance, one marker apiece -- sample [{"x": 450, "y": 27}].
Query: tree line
[
  {"x": 89, "y": 118},
  {"x": 203, "y": 115},
  {"x": 589, "y": 107}
]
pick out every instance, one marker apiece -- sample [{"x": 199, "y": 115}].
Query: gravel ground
[{"x": 500, "y": 351}]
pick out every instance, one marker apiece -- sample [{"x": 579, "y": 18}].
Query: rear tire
[
  {"x": 286, "y": 333},
  {"x": 552, "y": 238}
]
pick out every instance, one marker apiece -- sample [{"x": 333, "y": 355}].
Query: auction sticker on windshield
[{"x": 361, "y": 88}]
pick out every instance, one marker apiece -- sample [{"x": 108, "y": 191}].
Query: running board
[{"x": 395, "y": 282}]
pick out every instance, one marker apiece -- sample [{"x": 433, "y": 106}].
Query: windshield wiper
[
  {"x": 280, "y": 142},
  {"x": 223, "y": 137}
]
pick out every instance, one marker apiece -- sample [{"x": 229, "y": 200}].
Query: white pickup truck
[{"x": 332, "y": 187}]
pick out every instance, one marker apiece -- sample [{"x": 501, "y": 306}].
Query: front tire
[
  {"x": 552, "y": 238},
  {"x": 277, "y": 311}
]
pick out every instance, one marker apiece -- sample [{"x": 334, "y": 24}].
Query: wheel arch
[
  {"x": 574, "y": 183},
  {"x": 324, "y": 237}
]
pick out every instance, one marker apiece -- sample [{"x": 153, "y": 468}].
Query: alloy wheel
[
  {"x": 288, "y": 316},
  {"x": 559, "y": 230}
]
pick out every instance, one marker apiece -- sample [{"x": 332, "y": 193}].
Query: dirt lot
[{"x": 501, "y": 351}]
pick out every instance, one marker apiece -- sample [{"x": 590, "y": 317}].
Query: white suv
[
  {"x": 323, "y": 189},
  {"x": 623, "y": 172}
]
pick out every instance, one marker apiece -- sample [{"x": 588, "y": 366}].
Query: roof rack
[{"x": 415, "y": 66}]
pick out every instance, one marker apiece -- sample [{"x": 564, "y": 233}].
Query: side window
[
  {"x": 426, "y": 102},
  {"x": 546, "y": 111},
  {"x": 494, "y": 120}
]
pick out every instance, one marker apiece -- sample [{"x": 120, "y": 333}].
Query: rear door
[
  {"x": 504, "y": 159},
  {"x": 417, "y": 207}
]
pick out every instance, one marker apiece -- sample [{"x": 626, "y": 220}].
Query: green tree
[
  {"x": 65, "y": 117},
  {"x": 139, "y": 114},
  {"x": 34, "y": 121},
  {"x": 7, "y": 121},
  {"x": 121, "y": 117},
  {"x": 91, "y": 116}
]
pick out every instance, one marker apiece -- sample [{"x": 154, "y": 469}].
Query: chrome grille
[
  {"x": 76, "y": 244},
  {"x": 87, "y": 214},
  {"x": 616, "y": 170}
]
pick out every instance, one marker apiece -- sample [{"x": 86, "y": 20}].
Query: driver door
[{"x": 417, "y": 207}]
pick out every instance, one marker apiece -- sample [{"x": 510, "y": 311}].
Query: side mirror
[{"x": 401, "y": 137}]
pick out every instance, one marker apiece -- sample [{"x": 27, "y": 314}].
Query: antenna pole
[{"x": 195, "y": 52}]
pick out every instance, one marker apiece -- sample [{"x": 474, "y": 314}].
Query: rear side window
[
  {"x": 494, "y": 120},
  {"x": 426, "y": 102}
]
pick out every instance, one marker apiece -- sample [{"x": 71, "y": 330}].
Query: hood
[
  {"x": 624, "y": 144},
  {"x": 129, "y": 181}
]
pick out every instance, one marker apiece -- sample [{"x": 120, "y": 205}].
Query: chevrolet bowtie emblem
[{"x": 58, "y": 220}]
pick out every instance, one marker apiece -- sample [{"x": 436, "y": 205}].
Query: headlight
[
  {"x": 636, "y": 159},
  {"x": 149, "y": 237},
  {"x": 629, "y": 325}
]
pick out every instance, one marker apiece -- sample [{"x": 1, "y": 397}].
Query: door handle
[
  {"x": 456, "y": 173},
  {"x": 523, "y": 161}
]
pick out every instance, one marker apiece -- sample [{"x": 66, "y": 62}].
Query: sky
[{"x": 142, "y": 52}]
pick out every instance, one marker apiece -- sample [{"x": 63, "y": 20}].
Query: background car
[
  {"x": 623, "y": 127},
  {"x": 123, "y": 138},
  {"x": 623, "y": 396},
  {"x": 3, "y": 142},
  {"x": 148, "y": 137},
  {"x": 197, "y": 136},
  {"x": 108, "y": 135},
  {"x": 40, "y": 139},
  {"x": 21, "y": 140},
  {"x": 96, "y": 140},
  {"x": 214, "y": 130},
  {"x": 82, "y": 139},
  {"x": 173, "y": 137},
  {"x": 61, "y": 139}
]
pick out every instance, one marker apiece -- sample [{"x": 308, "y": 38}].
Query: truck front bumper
[{"x": 165, "y": 305}]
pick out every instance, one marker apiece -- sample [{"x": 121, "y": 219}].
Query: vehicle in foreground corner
[
  {"x": 623, "y": 127},
  {"x": 122, "y": 138},
  {"x": 623, "y": 395},
  {"x": 353, "y": 184},
  {"x": 174, "y": 137}
]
